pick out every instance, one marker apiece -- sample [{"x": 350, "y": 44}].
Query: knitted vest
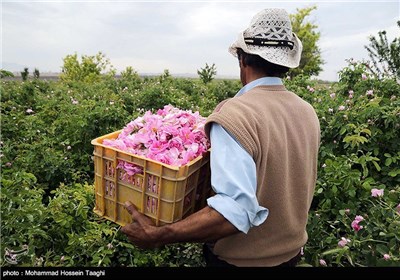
[{"x": 281, "y": 132}]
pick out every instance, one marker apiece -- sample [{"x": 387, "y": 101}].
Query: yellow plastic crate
[{"x": 163, "y": 192}]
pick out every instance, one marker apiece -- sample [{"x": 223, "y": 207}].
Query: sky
[{"x": 181, "y": 36}]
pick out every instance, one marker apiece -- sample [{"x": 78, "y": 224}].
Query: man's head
[
  {"x": 269, "y": 43},
  {"x": 261, "y": 65}
]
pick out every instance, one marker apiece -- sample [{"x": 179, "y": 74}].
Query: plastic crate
[{"x": 163, "y": 192}]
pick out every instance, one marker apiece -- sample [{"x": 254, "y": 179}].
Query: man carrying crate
[{"x": 263, "y": 162}]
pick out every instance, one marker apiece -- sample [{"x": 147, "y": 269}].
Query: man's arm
[{"x": 206, "y": 225}]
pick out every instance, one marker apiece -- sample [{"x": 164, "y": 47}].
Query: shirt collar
[{"x": 265, "y": 81}]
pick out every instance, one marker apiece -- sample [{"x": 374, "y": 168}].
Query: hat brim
[{"x": 278, "y": 55}]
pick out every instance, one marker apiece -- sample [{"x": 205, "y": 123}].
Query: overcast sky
[{"x": 180, "y": 36}]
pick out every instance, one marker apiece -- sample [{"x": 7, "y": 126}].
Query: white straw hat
[{"x": 270, "y": 36}]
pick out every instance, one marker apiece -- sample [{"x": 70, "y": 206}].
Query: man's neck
[{"x": 252, "y": 75}]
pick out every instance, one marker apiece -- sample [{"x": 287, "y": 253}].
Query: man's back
[{"x": 281, "y": 132}]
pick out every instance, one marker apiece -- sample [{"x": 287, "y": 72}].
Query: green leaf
[
  {"x": 394, "y": 173},
  {"x": 352, "y": 193},
  {"x": 304, "y": 265},
  {"x": 366, "y": 131},
  {"x": 383, "y": 249},
  {"x": 362, "y": 139},
  {"x": 388, "y": 161},
  {"x": 340, "y": 255},
  {"x": 350, "y": 260},
  {"x": 355, "y": 140},
  {"x": 333, "y": 251},
  {"x": 376, "y": 165},
  {"x": 127, "y": 245}
]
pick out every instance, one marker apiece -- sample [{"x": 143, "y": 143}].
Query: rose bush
[{"x": 354, "y": 220}]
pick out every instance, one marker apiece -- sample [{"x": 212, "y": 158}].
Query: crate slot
[{"x": 110, "y": 189}]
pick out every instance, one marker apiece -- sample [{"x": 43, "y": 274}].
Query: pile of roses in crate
[{"x": 171, "y": 136}]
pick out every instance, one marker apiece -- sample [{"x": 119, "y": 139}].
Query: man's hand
[
  {"x": 142, "y": 231},
  {"x": 204, "y": 225}
]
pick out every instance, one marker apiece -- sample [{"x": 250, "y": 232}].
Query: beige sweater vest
[{"x": 281, "y": 132}]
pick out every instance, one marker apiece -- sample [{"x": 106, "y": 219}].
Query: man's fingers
[
  {"x": 136, "y": 215},
  {"x": 130, "y": 207}
]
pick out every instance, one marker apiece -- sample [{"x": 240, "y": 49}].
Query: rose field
[{"x": 47, "y": 168}]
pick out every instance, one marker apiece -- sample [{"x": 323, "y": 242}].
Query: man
[{"x": 264, "y": 153}]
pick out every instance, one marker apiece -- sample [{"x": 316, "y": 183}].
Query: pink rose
[
  {"x": 355, "y": 223},
  {"x": 359, "y": 218},
  {"x": 376, "y": 192},
  {"x": 369, "y": 92},
  {"x": 343, "y": 242}
]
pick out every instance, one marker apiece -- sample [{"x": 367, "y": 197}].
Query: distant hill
[{"x": 55, "y": 76}]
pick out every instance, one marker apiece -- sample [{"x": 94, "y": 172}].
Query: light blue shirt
[{"x": 233, "y": 174}]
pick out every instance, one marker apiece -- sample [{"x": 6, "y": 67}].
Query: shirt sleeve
[{"x": 233, "y": 179}]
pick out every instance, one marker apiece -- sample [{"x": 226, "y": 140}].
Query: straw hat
[{"x": 270, "y": 36}]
